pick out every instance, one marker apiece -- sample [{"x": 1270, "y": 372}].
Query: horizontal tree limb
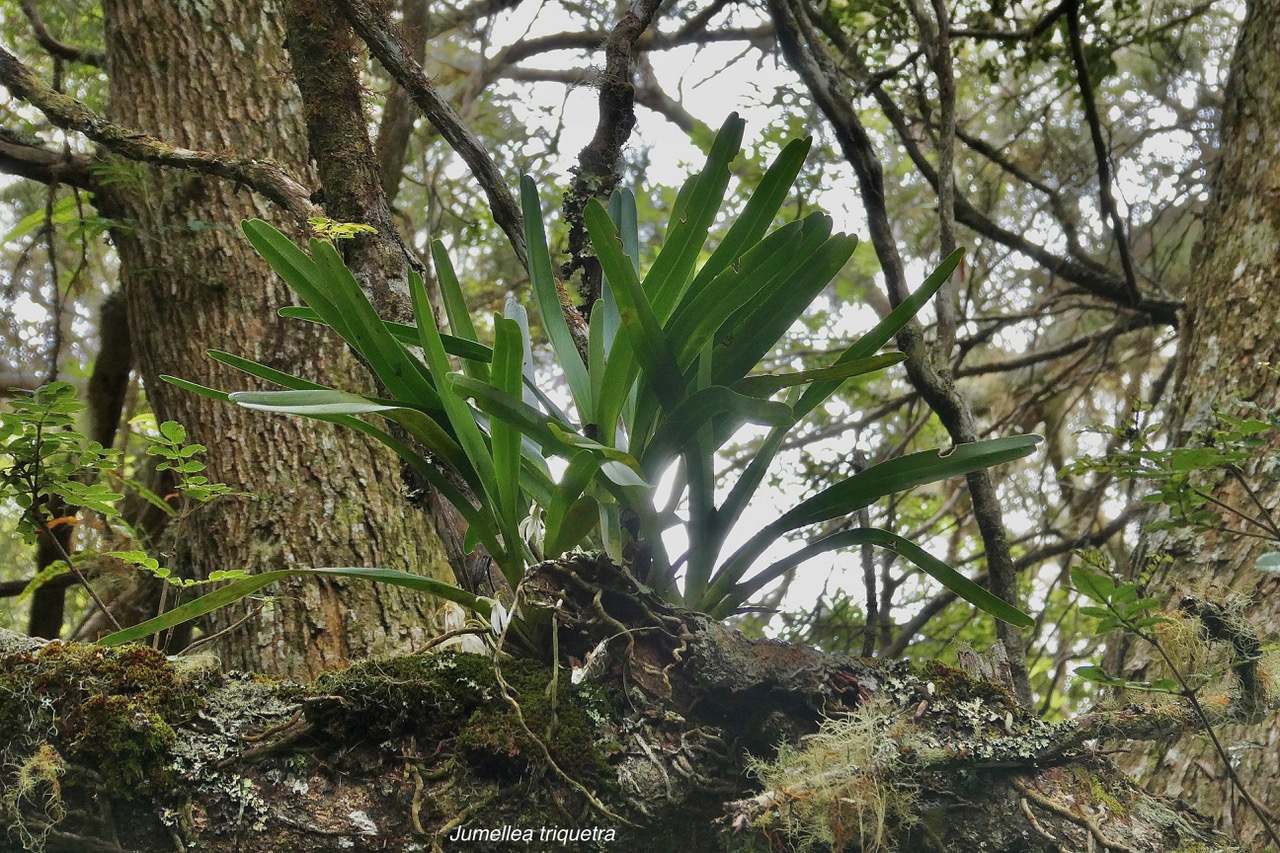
[{"x": 262, "y": 175}]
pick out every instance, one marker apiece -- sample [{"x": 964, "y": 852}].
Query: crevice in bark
[{"x": 322, "y": 50}]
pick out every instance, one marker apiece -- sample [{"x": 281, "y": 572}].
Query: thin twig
[
  {"x": 227, "y": 630},
  {"x": 597, "y": 172},
  {"x": 102, "y": 605},
  {"x": 1100, "y": 152}
]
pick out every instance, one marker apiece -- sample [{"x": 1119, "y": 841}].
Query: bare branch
[
  {"x": 444, "y": 18},
  {"x": 698, "y": 23},
  {"x": 935, "y": 35},
  {"x": 262, "y": 175},
  {"x": 592, "y": 40},
  {"x": 1133, "y": 295},
  {"x": 1126, "y": 323},
  {"x": 398, "y": 114},
  {"x": 1030, "y": 33},
  {"x": 596, "y": 175},
  {"x": 28, "y": 158},
  {"x": 648, "y": 93},
  {"x": 1090, "y": 277},
  {"x": 70, "y": 52},
  {"x": 387, "y": 46}
]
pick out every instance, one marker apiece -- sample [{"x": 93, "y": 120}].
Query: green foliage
[
  {"x": 245, "y": 585},
  {"x": 179, "y": 457},
  {"x": 46, "y": 456},
  {"x": 1182, "y": 479},
  {"x": 666, "y": 382},
  {"x": 1118, "y": 606}
]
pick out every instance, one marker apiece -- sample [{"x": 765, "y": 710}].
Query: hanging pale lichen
[{"x": 844, "y": 784}]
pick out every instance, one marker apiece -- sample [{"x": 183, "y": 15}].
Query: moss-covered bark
[{"x": 656, "y": 729}]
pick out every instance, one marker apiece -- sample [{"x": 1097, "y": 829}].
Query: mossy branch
[{"x": 262, "y": 175}]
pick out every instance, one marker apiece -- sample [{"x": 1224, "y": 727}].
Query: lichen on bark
[{"x": 647, "y": 733}]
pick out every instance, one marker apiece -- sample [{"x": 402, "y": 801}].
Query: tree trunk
[
  {"x": 215, "y": 76},
  {"x": 1228, "y": 339},
  {"x": 638, "y": 740}
]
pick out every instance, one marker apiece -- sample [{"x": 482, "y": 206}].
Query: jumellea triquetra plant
[{"x": 669, "y": 377}]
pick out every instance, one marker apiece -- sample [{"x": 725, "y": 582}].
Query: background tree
[
  {"x": 189, "y": 284},
  {"x": 1225, "y": 351}
]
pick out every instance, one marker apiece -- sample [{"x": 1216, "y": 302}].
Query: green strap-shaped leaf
[
  {"x": 620, "y": 374},
  {"x": 691, "y": 219},
  {"x": 328, "y": 287},
  {"x": 754, "y": 331},
  {"x": 253, "y": 368},
  {"x": 867, "y": 487},
  {"x": 403, "y": 375},
  {"x": 642, "y": 328},
  {"x": 245, "y": 587},
  {"x": 404, "y": 333},
  {"x": 563, "y": 523},
  {"x": 476, "y": 519},
  {"x": 455, "y": 308},
  {"x": 470, "y": 437},
  {"x": 813, "y": 396},
  {"x": 551, "y": 436},
  {"x": 926, "y": 562},
  {"x": 612, "y": 391},
  {"x": 297, "y": 269},
  {"x": 498, "y": 404},
  {"x": 548, "y": 299},
  {"x": 903, "y": 473},
  {"x": 622, "y": 210},
  {"x": 699, "y": 466},
  {"x": 766, "y": 384},
  {"x": 540, "y": 397},
  {"x": 597, "y": 352},
  {"x": 513, "y": 310},
  {"x": 758, "y": 213},
  {"x": 702, "y": 312},
  {"x": 320, "y": 403},
  {"x": 697, "y": 411},
  {"x": 883, "y": 332},
  {"x": 508, "y": 363}
]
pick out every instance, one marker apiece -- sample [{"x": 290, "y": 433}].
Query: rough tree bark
[
  {"x": 1228, "y": 338},
  {"x": 215, "y": 76}
]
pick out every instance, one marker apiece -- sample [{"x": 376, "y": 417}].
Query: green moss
[
  {"x": 1099, "y": 792},
  {"x": 107, "y": 711},
  {"x": 951, "y": 682},
  {"x": 456, "y": 697}
]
